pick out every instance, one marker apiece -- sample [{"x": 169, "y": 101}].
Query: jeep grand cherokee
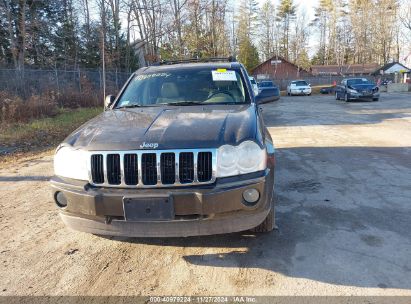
[{"x": 181, "y": 151}]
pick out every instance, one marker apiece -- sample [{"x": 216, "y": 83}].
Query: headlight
[
  {"x": 248, "y": 157},
  {"x": 351, "y": 91},
  {"x": 71, "y": 163}
]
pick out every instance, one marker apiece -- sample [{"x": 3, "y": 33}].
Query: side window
[{"x": 240, "y": 86}]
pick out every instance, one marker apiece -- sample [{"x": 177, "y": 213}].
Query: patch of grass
[{"x": 43, "y": 133}]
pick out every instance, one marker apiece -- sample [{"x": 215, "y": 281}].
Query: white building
[{"x": 400, "y": 71}]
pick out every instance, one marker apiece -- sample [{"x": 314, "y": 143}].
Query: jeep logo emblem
[{"x": 145, "y": 145}]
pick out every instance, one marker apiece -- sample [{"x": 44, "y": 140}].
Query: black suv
[{"x": 181, "y": 151}]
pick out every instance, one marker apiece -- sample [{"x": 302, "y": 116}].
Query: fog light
[
  {"x": 251, "y": 196},
  {"x": 60, "y": 199}
]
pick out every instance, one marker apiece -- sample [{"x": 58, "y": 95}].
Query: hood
[
  {"x": 362, "y": 87},
  {"x": 163, "y": 128}
]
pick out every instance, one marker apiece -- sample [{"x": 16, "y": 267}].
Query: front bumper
[
  {"x": 301, "y": 92},
  {"x": 360, "y": 96},
  {"x": 201, "y": 210}
]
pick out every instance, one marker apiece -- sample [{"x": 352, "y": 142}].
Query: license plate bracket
[{"x": 148, "y": 208}]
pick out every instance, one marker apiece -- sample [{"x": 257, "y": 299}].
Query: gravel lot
[{"x": 343, "y": 210}]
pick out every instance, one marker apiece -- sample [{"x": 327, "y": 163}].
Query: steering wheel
[{"x": 225, "y": 92}]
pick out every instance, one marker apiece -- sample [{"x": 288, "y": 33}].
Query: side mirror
[
  {"x": 108, "y": 101},
  {"x": 267, "y": 95}
]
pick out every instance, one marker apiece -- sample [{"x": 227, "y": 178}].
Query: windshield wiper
[
  {"x": 183, "y": 103},
  {"x": 130, "y": 106}
]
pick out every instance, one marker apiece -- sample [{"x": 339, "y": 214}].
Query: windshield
[
  {"x": 266, "y": 84},
  {"x": 301, "y": 83},
  {"x": 357, "y": 81},
  {"x": 185, "y": 87}
]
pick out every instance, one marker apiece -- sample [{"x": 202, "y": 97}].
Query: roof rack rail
[{"x": 195, "y": 60}]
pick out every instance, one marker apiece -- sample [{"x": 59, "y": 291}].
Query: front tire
[
  {"x": 268, "y": 224},
  {"x": 336, "y": 96},
  {"x": 375, "y": 99}
]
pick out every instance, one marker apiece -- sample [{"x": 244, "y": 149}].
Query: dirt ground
[{"x": 343, "y": 209}]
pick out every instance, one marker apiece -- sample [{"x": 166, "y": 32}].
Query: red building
[{"x": 279, "y": 68}]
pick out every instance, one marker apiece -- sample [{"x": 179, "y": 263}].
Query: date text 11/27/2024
[{"x": 203, "y": 299}]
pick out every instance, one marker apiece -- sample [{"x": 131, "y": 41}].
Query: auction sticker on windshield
[{"x": 224, "y": 75}]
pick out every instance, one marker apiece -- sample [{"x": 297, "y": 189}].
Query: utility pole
[{"x": 103, "y": 51}]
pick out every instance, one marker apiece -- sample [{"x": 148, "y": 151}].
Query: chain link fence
[{"x": 29, "y": 82}]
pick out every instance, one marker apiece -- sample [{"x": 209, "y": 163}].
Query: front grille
[
  {"x": 186, "y": 167},
  {"x": 149, "y": 169},
  {"x": 97, "y": 172},
  {"x": 205, "y": 166},
  {"x": 113, "y": 169},
  {"x": 168, "y": 168},
  {"x": 130, "y": 169}
]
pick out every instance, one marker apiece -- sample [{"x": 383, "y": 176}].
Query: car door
[{"x": 341, "y": 89}]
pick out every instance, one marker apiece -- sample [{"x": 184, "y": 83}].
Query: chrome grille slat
[
  {"x": 140, "y": 172},
  {"x": 192, "y": 171},
  {"x": 122, "y": 174},
  {"x": 195, "y": 160},
  {"x": 105, "y": 168},
  {"x": 158, "y": 166}
]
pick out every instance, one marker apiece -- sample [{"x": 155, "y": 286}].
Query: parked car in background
[
  {"x": 268, "y": 88},
  {"x": 328, "y": 90},
  {"x": 356, "y": 89},
  {"x": 254, "y": 85},
  {"x": 265, "y": 84},
  {"x": 299, "y": 87}
]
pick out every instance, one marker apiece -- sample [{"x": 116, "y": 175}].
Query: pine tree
[
  {"x": 247, "y": 22},
  {"x": 248, "y": 54},
  {"x": 66, "y": 42},
  {"x": 286, "y": 15},
  {"x": 268, "y": 31}
]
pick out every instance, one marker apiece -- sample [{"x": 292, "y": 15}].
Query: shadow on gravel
[
  {"x": 24, "y": 178},
  {"x": 347, "y": 225}
]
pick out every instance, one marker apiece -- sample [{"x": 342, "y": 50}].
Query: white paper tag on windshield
[{"x": 224, "y": 75}]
